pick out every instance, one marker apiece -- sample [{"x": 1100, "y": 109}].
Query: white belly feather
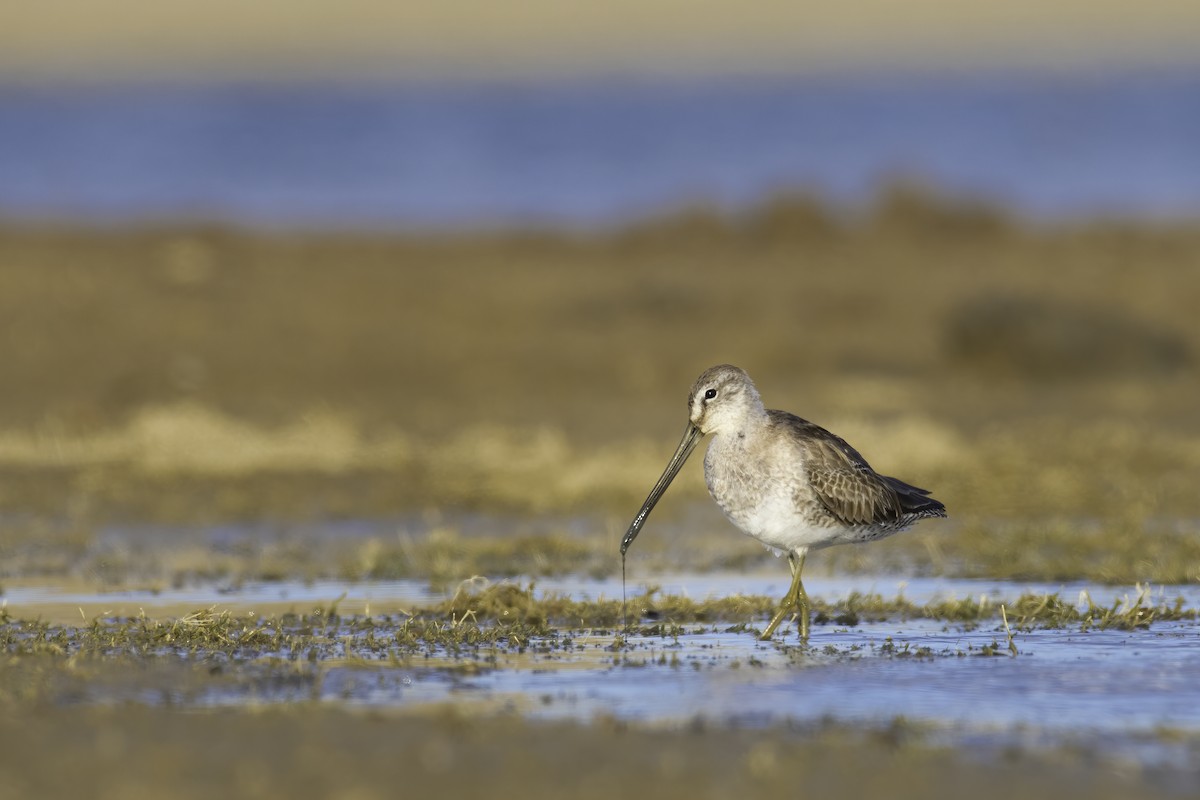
[{"x": 775, "y": 506}]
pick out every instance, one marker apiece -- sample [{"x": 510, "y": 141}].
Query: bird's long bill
[{"x": 691, "y": 437}]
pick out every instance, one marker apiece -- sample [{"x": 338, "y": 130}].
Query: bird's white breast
[{"x": 765, "y": 492}]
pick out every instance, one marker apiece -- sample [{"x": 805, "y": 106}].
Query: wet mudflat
[
  {"x": 1106, "y": 671},
  {"x": 306, "y": 752}
]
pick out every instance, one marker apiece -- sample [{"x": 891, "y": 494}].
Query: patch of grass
[
  {"x": 510, "y": 617},
  {"x": 506, "y": 602}
]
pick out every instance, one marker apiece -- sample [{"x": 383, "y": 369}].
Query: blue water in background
[{"x": 593, "y": 152}]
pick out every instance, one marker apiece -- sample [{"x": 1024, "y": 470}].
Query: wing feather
[{"x": 841, "y": 478}]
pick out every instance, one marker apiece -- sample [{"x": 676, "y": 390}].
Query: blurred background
[
  {"x": 380, "y": 304},
  {"x": 315, "y": 261}
]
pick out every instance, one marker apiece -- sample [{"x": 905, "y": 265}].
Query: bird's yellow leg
[
  {"x": 802, "y": 602},
  {"x": 796, "y": 599}
]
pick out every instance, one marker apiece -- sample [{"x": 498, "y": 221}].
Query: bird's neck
[{"x": 745, "y": 426}]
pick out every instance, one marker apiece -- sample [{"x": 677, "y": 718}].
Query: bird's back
[{"x": 846, "y": 486}]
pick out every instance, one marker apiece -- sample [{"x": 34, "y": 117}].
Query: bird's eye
[{"x": 710, "y": 394}]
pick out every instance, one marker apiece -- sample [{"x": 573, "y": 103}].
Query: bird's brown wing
[{"x": 841, "y": 478}]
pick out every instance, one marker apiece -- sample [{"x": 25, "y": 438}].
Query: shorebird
[{"x": 785, "y": 481}]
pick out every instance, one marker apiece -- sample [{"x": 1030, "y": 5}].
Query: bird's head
[{"x": 723, "y": 399}]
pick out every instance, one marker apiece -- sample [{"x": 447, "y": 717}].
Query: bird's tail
[{"x": 915, "y": 500}]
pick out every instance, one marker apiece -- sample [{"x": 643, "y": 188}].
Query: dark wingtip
[{"x": 915, "y": 500}]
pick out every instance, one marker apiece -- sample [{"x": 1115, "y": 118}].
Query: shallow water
[
  {"x": 1127, "y": 695},
  {"x": 1130, "y": 694},
  {"x": 1062, "y": 681},
  {"x": 359, "y": 597}
]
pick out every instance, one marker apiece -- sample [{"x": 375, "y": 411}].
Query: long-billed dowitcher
[{"x": 790, "y": 484}]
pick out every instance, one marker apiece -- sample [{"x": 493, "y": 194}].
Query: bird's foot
[{"x": 786, "y": 609}]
